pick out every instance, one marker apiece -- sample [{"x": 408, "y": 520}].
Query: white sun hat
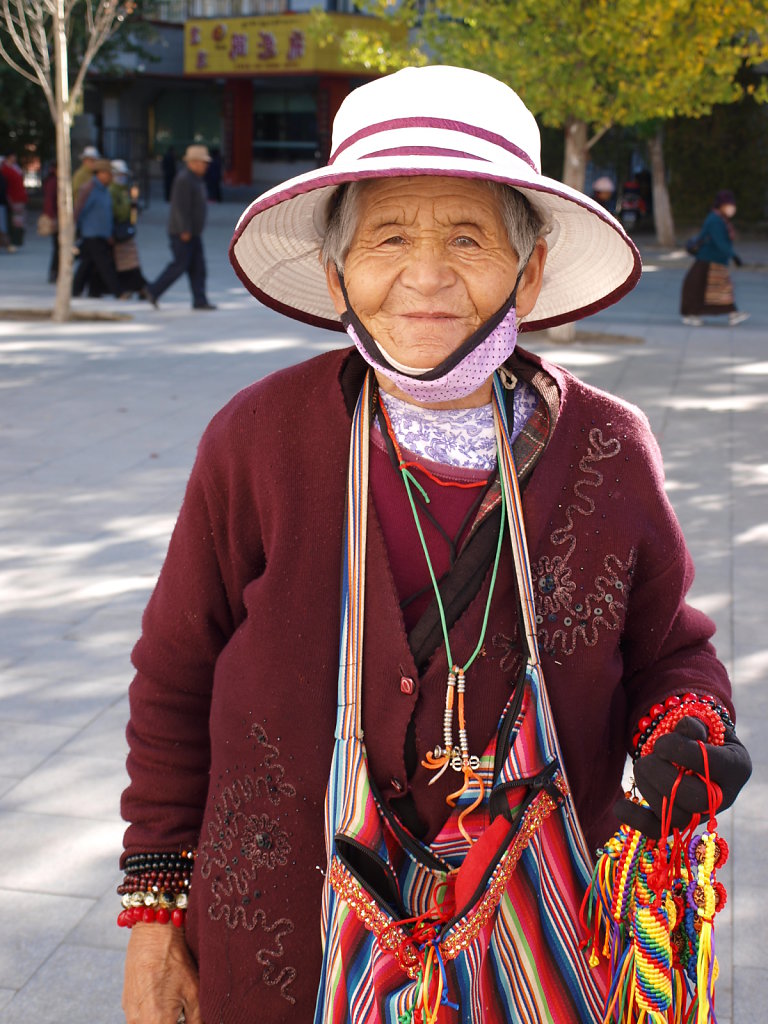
[{"x": 434, "y": 120}]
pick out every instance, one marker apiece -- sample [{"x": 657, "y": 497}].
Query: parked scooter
[{"x": 632, "y": 206}]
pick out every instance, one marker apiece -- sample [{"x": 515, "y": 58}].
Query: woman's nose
[{"x": 426, "y": 269}]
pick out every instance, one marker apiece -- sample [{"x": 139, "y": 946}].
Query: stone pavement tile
[
  {"x": 6, "y": 783},
  {"x": 6, "y": 995},
  {"x": 750, "y": 992},
  {"x": 751, "y": 938},
  {"x": 47, "y": 691},
  {"x": 45, "y": 853},
  {"x": 98, "y": 927},
  {"x": 105, "y": 736},
  {"x": 32, "y": 926},
  {"x": 75, "y": 786},
  {"x": 753, "y": 806},
  {"x": 77, "y": 984},
  {"x": 24, "y": 746}
]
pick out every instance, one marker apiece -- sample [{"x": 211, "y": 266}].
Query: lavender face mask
[{"x": 463, "y": 372}]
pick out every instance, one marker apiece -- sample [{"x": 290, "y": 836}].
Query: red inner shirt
[{"x": 451, "y": 507}]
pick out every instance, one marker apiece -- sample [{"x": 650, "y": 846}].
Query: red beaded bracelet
[
  {"x": 148, "y": 915},
  {"x": 152, "y": 908},
  {"x": 663, "y": 718}
]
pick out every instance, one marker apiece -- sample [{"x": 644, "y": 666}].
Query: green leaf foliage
[{"x": 604, "y": 62}]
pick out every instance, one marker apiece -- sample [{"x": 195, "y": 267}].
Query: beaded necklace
[{"x": 457, "y": 756}]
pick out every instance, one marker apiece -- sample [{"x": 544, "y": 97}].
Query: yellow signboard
[{"x": 263, "y": 45}]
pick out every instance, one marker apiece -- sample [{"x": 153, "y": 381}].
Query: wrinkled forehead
[{"x": 426, "y": 197}]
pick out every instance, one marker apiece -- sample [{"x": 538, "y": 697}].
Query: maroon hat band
[{"x": 441, "y": 124}]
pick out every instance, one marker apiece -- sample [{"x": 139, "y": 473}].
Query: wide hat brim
[{"x": 275, "y": 250}]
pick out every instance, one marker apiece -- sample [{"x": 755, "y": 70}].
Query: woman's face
[{"x": 429, "y": 263}]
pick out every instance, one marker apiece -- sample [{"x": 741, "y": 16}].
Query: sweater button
[{"x": 406, "y": 685}]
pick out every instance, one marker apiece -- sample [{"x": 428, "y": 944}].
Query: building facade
[{"x": 251, "y": 79}]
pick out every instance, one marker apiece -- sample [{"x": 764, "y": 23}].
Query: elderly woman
[{"x": 377, "y": 735}]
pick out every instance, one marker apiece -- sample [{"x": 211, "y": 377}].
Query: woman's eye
[
  {"x": 394, "y": 240},
  {"x": 465, "y": 242}
]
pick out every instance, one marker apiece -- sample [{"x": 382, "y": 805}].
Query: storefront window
[
  {"x": 183, "y": 117},
  {"x": 284, "y": 126}
]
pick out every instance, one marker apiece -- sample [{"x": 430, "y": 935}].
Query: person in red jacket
[
  {"x": 16, "y": 198},
  {"x": 424, "y": 596}
]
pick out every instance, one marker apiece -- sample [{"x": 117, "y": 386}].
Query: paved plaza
[{"x": 99, "y": 422}]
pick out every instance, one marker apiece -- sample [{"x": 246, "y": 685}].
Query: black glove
[
  {"x": 738, "y": 260},
  {"x": 655, "y": 774}
]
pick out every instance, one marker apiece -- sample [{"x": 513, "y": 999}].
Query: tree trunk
[
  {"x": 574, "y": 174},
  {"x": 576, "y": 152},
  {"x": 62, "y": 116},
  {"x": 662, "y": 210}
]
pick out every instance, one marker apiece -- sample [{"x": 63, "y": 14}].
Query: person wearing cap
[
  {"x": 377, "y": 735},
  {"x": 95, "y": 228},
  {"x": 603, "y": 190},
  {"x": 186, "y": 221},
  {"x": 125, "y": 213},
  {"x": 707, "y": 287},
  {"x": 84, "y": 173}
]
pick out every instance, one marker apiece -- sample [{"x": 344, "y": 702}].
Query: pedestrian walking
[
  {"x": 84, "y": 172},
  {"x": 707, "y": 287},
  {"x": 125, "y": 213},
  {"x": 376, "y": 734},
  {"x": 95, "y": 226},
  {"x": 16, "y": 198},
  {"x": 49, "y": 220},
  {"x": 186, "y": 221}
]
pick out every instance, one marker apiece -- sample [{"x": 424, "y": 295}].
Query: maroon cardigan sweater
[{"x": 234, "y": 702}]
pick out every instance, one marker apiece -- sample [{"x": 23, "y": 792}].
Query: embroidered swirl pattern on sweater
[
  {"x": 565, "y": 617},
  {"x": 245, "y": 839},
  {"x": 567, "y": 614}
]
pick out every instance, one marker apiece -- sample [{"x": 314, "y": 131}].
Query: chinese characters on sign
[{"x": 261, "y": 45}]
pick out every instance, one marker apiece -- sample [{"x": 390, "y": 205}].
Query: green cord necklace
[{"x": 458, "y": 757}]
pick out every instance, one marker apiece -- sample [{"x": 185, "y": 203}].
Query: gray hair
[{"x": 523, "y": 222}]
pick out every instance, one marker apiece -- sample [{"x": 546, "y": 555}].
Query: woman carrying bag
[{"x": 707, "y": 287}]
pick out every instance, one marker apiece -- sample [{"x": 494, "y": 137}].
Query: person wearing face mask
[
  {"x": 707, "y": 287},
  {"x": 422, "y": 596}
]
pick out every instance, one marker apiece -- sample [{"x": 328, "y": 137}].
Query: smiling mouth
[{"x": 438, "y": 315}]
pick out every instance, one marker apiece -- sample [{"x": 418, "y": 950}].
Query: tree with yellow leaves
[{"x": 585, "y": 65}]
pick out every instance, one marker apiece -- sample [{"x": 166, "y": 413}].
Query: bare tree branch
[
  {"x": 598, "y": 135},
  {"x": 18, "y": 29},
  {"x": 39, "y": 36},
  {"x": 100, "y": 29}
]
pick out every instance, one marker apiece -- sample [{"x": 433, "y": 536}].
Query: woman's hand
[
  {"x": 656, "y": 776},
  {"x": 160, "y": 977}
]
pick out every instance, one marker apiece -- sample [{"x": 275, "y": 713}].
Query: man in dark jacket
[{"x": 185, "y": 228}]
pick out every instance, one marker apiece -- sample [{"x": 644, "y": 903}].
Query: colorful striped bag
[{"x": 486, "y": 930}]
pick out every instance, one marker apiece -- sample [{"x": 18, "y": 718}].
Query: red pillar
[
  {"x": 239, "y": 116},
  {"x": 331, "y": 92}
]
